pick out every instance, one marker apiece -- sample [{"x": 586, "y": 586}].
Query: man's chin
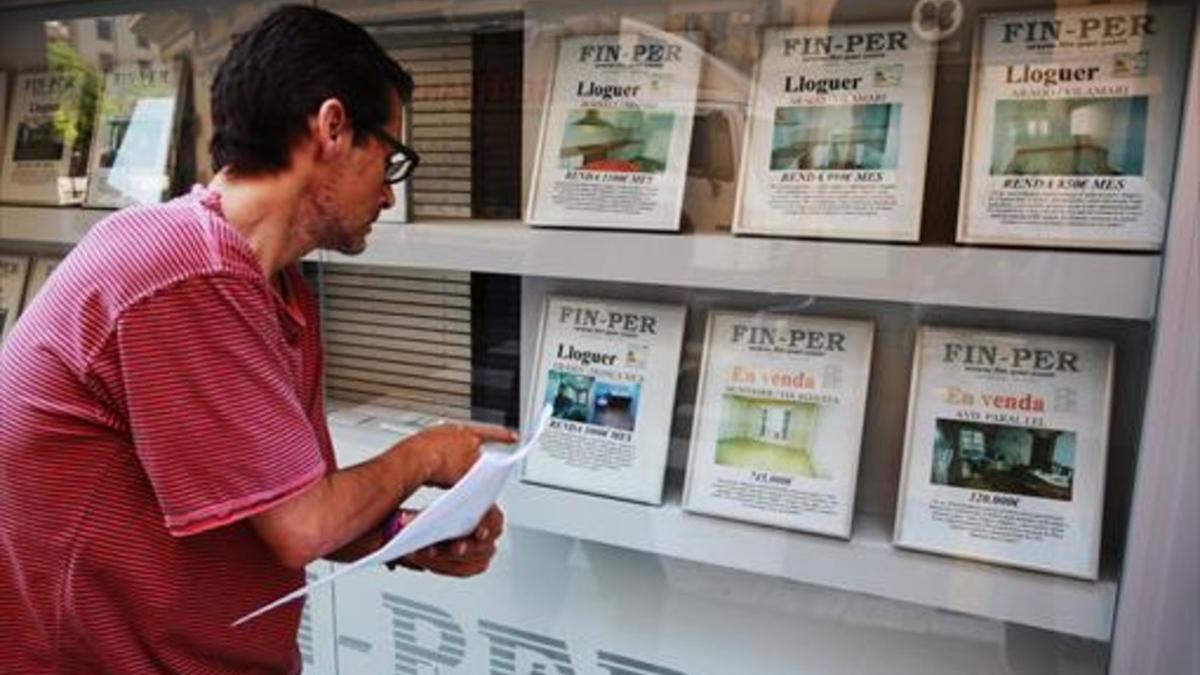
[
  {"x": 352, "y": 247},
  {"x": 346, "y": 245}
]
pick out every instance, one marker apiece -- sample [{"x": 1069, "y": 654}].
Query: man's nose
[{"x": 389, "y": 197}]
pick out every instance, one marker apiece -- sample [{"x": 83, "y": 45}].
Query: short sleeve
[{"x": 212, "y": 395}]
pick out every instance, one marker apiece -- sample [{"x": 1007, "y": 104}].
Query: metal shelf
[
  {"x": 867, "y": 563},
  {"x": 48, "y": 224},
  {"x": 1114, "y": 285}
]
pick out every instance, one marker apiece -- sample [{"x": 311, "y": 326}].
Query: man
[{"x": 165, "y": 466}]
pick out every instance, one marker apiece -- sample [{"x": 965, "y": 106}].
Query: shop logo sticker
[
  {"x": 428, "y": 641},
  {"x": 936, "y": 20}
]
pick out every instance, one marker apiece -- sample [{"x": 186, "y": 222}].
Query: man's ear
[{"x": 330, "y": 128}]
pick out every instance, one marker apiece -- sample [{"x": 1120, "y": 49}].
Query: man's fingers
[
  {"x": 469, "y": 550},
  {"x": 492, "y": 434},
  {"x": 458, "y": 549},
  {"x": 466, "y": 567},
  {"x": 442, "y": 563},
  {"x": 462, "y": 570},
  {"x": 411, "y": 562},
  {"x": 459, "y": 558},
  {"x": 491, "y": 525},
  {"x": 494, "y": 518}
]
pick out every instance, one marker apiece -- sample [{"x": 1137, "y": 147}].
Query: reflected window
[
  {"x": 104, "y": 29},
  {"x": 971, "y": 443}
]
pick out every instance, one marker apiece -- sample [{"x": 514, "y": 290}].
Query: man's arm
[
  {"x": 347, "y": 506},
  {"x": 366, "y": 543}
]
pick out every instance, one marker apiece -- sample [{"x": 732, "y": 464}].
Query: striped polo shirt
[{"x": 157, "y": 393}]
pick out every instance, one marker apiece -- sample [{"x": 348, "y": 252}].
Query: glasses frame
[{"x": 402, "y": 161}]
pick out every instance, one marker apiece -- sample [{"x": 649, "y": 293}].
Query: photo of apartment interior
[
  {"x": 1013, "y": 460},
  {"x": 837, "y": 137},
  {"x": 768, "y": 435}
]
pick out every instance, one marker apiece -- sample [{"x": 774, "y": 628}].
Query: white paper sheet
[{"x": 453, "y": 514}]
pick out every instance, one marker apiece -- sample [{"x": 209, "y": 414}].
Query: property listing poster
[
  {"x": 133, "y": 140},
  {"x": 608, "y": 370},
  {"x": 45, "y": 144},
  {"x": 1074, "y": 125},
  {"x": 13, "y": 270},
  {"x": 616, "y": 131},
  {"x": 1006, "y": 445},
  {"x": 838, "y": 135},
  {"x": 779, "y": 417}
]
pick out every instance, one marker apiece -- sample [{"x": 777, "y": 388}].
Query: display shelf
[
  {"x": 1095, "y": 284},
  {"x": 48, "y": 224},
  {"x": 1114, "y": 285},
  {"x": 867, "y": 563}
]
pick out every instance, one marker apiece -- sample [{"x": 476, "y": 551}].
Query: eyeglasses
[{"x": 401, "y": 163}]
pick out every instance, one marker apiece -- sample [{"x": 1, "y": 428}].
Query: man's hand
[
  {"x": 339, "y": 515},
  {"x": 449, "y": 450},
  {"x": 462, "y": 557}
]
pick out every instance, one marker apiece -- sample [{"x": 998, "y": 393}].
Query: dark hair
[{"x": 279, "y": 72}]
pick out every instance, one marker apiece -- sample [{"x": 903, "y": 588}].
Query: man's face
[{"x": 350, "y": 200}]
